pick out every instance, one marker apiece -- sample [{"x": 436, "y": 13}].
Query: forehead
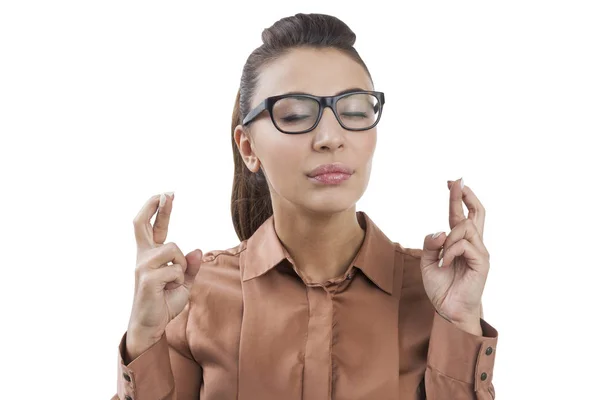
[{"x": 321, "y": 72}]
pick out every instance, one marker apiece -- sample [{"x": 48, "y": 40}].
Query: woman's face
[{"x": 287, "y": 159}]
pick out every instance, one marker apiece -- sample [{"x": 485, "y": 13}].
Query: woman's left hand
[{"x": 455, "y": 289}]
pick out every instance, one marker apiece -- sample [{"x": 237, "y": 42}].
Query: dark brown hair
[{"x": 250, "y": 196}]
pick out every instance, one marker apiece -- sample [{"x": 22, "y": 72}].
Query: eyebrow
[{"x": 355, "y": 89}]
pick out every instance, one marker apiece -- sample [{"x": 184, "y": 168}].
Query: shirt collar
[{"x": 375, "y": 257}]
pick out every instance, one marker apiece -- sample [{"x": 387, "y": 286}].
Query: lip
[
  {"x": 330, "y": 174},
  {"x": 335, "y": 168}
]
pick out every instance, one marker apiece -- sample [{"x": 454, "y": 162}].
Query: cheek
[
  {"x": 366, "y": 146},
  {"x": 283, "y": 162},
  {"x": 364, "y": 152}
]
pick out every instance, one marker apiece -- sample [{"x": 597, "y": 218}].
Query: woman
[{"x": 315, "y": 302}]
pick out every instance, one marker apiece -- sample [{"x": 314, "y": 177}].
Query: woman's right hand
[{"x": 161, "y": 290}]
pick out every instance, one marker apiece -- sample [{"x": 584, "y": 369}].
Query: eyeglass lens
[{"x": 296, "y": 114}]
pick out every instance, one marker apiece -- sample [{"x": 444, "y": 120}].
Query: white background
[{"x": 104, "y": 104}]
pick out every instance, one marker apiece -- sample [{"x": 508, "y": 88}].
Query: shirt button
[
  {"x": 127, "y": 377},
  {"x": 483, "y": 376},
  {"x": 488, "y": 351}
]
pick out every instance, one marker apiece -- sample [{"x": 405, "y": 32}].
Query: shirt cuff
[
  {"x": 148, "y": 376},
  {"x": 462, "y": 355}
]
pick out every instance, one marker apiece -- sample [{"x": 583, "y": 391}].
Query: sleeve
[
  {"x": 166, "y": 370},
  {"x": 459, "y": 364}
]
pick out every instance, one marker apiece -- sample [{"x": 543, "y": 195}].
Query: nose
[{"x": 329, "y": 134}]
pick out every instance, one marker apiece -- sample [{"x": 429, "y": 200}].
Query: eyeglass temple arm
[{"x": 252, "y": 114}]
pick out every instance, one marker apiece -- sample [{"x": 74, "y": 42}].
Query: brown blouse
[{"x": 254, "y": 328}]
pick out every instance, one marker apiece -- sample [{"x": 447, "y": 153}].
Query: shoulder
[
  {"x": 409, "y": 264},
  {"x": 415, "y": 304},
  {"x": 216, "y": 304},
  {"x": 219, "y": 274},
  {"x": 224, "y": 257},
  {"x": 408, "y": 253}
]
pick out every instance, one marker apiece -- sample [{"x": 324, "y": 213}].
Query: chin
[{"x": 331, "y": 204}]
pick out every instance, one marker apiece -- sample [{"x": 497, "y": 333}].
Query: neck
[{"x": 322, "y": 246}]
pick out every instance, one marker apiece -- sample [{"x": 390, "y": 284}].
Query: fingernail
[
  {"x": 436, "y": 235},
  {"x": 441, "y": 253},
  {"x": 462, "y": 183},
  {"x": 441, "y": 262},
  {"x": 171, "y": 194},
  {"x": 163, "y": 199}
]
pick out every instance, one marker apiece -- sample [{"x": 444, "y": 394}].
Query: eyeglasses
[{"x": 294, "y": 113}]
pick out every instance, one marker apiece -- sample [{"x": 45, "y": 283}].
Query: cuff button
[
  {"x": 126, "y": 377},
  {"x": 488, "y": 351},
  {"x": 483, "y": 376}
]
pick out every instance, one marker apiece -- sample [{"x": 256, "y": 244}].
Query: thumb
[
  {"x": 194, "y": 261},
  {"x": 431, "y": 248}
]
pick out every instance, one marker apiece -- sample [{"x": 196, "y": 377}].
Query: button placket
[{"x": 317, "y": 355}]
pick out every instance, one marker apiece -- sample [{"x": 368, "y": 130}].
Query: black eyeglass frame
[{"x": 324, "y": 101}]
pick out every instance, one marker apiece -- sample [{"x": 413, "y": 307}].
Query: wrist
[
  {"x": 141, "y": 334},
  {"x": 137, "y": 342},
  {"x": 134, "y": 347},
  {"x": 131, "y": 352},
  {"x": 472, "y": 326}
]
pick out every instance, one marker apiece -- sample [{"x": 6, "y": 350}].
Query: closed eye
[
  {"x": 356, "y": 114},
  {"x": 294, "y": 117}
]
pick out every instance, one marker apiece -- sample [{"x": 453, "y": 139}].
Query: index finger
[
  {"x": 141, "y": 223},
  {"x": 161, "y": 224},
  {"x": 476, "y": 209},
  {"x": 457, "y": 213}
]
